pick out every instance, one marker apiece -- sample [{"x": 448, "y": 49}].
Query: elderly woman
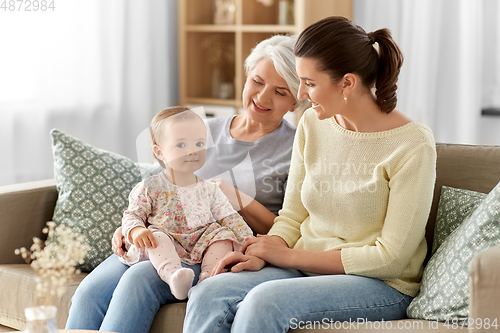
[
  {"x": 118, "y": 298},
  {"x": 349, "y": 243}
]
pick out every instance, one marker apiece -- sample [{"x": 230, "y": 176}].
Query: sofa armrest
[
  {"x": 24, "y": 210},
  {"x": 484, "y": 285}
]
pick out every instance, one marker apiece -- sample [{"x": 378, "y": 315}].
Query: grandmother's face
[{"x": 266, "y": 96}]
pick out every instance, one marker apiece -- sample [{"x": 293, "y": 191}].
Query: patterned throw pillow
[
  {"x": 444, "y": 292},
  {"x": 455, "y": 206},
  {"x": 93, "y": 186}
]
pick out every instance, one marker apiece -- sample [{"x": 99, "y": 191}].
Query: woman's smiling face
[
  {"x": 317, "y": 86},
  {"x": 266, "y": 96}
]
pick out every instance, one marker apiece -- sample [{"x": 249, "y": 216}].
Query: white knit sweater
[{"x": 368, "y": 194}]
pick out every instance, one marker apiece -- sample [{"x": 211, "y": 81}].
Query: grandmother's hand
[
  {"x": 272, "y": 249},
  {"x": 238, "y": 262},
  {"x": 118, "y": 242}
]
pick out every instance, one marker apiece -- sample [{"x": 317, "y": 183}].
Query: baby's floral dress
[{"x": 194, "y": 217}]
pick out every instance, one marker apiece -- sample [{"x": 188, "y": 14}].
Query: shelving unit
[{"x": 212, "y": 55}]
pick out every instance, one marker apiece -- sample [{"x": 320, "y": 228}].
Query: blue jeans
[
  {"x": 115, "y": 297},
  {"x": 275, "y": 300}
]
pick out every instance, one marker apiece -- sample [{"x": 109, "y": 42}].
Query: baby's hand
[{"x": 142, "y": 237}]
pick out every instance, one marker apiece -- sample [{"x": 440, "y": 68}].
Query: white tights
[{"x": 168, "y": 264}]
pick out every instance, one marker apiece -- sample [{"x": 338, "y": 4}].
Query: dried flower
[
  {"x": 220, "y": 50},
  {"x": 54, "y": 260}
]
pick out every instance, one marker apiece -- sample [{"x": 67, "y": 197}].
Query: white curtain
[
  {"x": 449, "y": 48},
  {"x": 96, "y": 69},
  {"x": 491, "y": 76}
]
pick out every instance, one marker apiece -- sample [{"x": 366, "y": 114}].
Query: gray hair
[{"x": 280, "y": 50}]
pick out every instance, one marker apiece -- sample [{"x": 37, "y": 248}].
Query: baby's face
[{"x": 182, "y": 144}]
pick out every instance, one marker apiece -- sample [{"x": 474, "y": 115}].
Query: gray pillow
[
  {"x": 455, "y": 206},
  {"x": 93, "y": 186},
  {"x": 444, "y": 291}
]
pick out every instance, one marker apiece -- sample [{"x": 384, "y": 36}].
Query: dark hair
[{"x": 343, "y": 47}]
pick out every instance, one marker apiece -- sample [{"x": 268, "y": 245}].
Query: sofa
[{"x": 25, "y": 208}]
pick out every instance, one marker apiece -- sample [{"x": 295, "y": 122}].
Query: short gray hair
[{"x": 279, "y": 49}]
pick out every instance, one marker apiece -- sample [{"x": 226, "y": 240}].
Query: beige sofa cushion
[
  {"x": 470, "y": 167},
  {"x": 24, "y": 209},
  {"x": 169, "y": 318},
  {"x": 17, "y": 293}
]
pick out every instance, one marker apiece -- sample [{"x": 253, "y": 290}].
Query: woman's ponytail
[
  {"x": 389, "y": 66},
  {"x": 343, "y": 47}
]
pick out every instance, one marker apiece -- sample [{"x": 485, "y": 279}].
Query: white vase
[
  {"x": 216, "y": 82},
  {"x": 283, "y": 12},
  {"x": 41, "y": 319}
]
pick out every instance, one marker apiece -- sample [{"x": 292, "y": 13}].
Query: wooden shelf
[
  {"x": 214, "y": 101},
  {"x": 241, "y": 28},
  {"x": 268, "y": 28},
  {"x": 211, "y": 28},
  {"x": 205, "y": 46}
]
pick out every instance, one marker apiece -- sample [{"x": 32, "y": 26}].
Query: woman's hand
[
  {"x": 236, "y": 198},
  {"x": 118, "y": 242},
  {"x": 238, "y": 262},
  {"x": 272, "y": 249},
  {"x": 142, "y": 237}
]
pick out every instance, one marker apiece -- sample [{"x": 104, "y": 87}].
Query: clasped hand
[{"x": 254, "y": 254}]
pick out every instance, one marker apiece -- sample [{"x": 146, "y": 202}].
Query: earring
[{"x": 345, "y": 99}]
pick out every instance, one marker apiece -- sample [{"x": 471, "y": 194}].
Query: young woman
[
  {"x": 118, "y": 298},
  {"x": 349, "y": 242}
]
